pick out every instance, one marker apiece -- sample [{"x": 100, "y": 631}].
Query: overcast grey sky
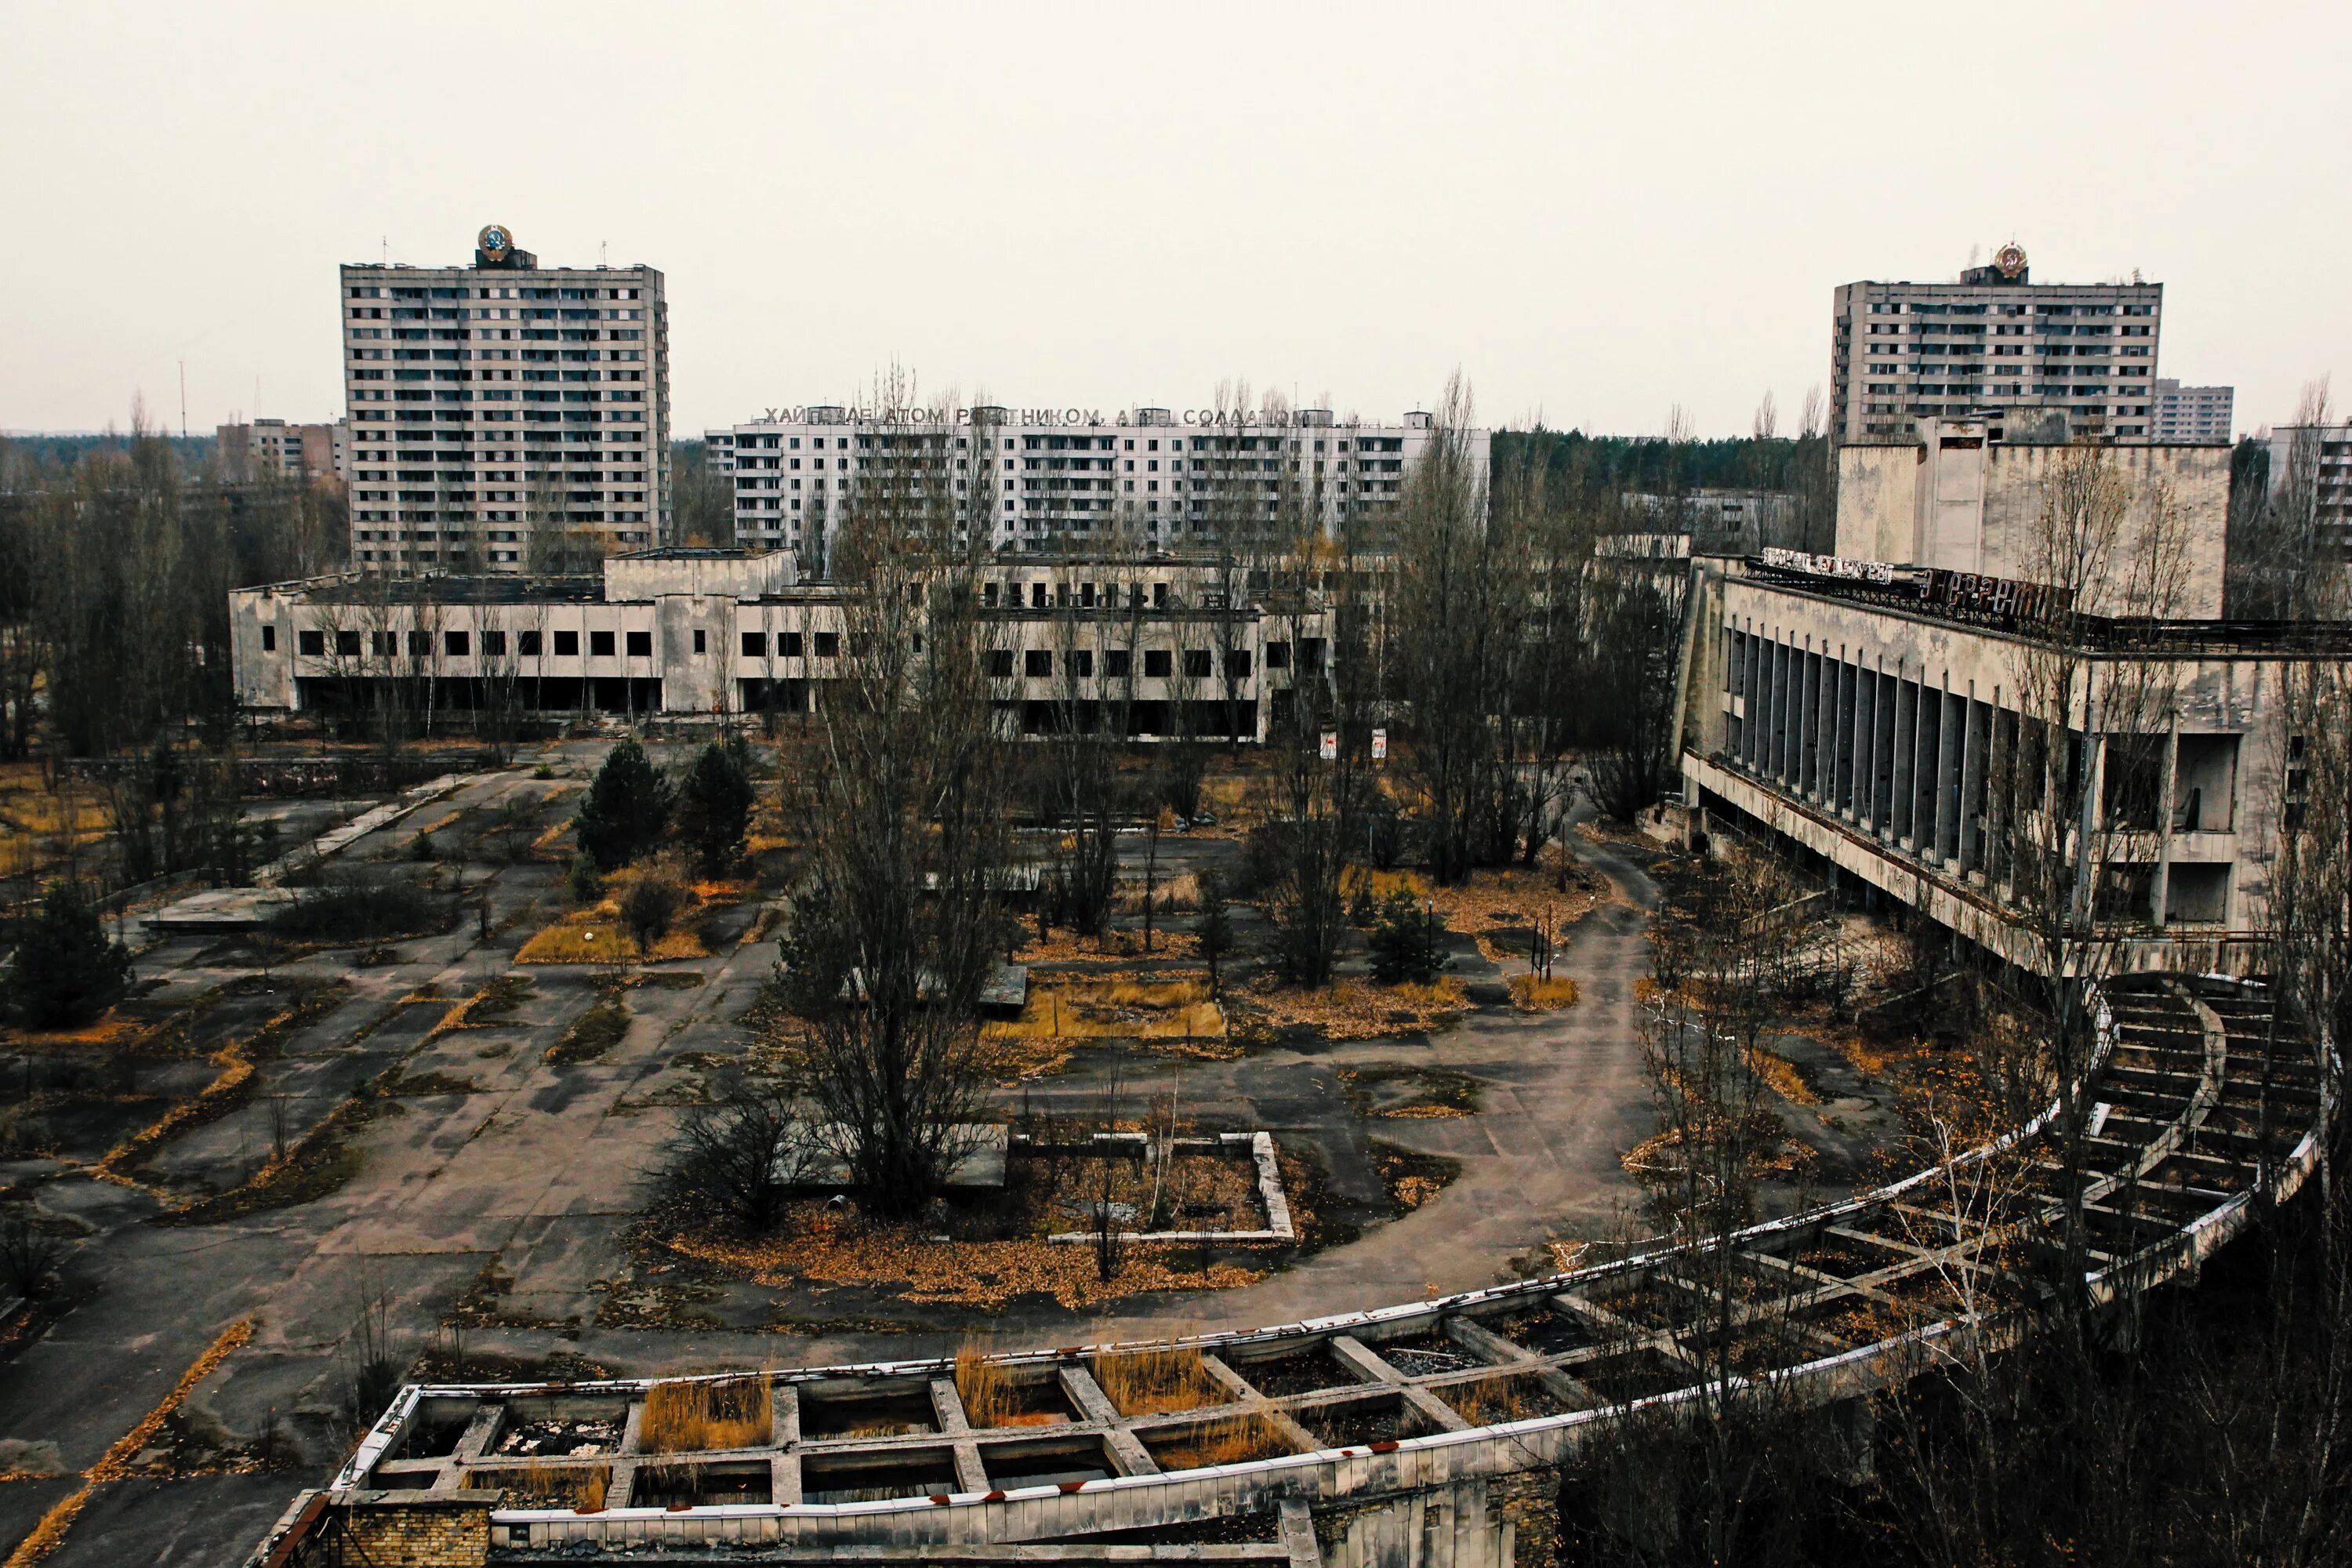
[{"x": 1596, "y": 211}]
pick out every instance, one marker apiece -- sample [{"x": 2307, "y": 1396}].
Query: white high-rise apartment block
[
  {"x": 2190, "y": 413},
  {"x": 502, "y": 402},
  {"x": 1062, "y": 479},
  {"x": 1902, "y": 352}
]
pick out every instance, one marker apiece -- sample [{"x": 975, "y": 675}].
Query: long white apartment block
[
  {"x": 1046, "y": 480},
  {"x": 498, "y": 401},
  {"x": 2191, "y": 413},
  {"x": 1905, "y": 352}
]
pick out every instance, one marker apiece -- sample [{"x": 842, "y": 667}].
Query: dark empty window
[
  {"x": 1117, "y": 663},
  {"x": 527, "y": 645},
  {"x": 755, "y": 645},
  {"x": 1310, "y": 653},
  {"x": 347, "y": 644},
  {"x": 988, "y": 595},
  {"x": 600, "y": 645},
  {"x": 1196, "y": 662},
  {"x": 1037, "y": 661},
  {"x": 789, "y": 644},
  {"x": 419, "y": 644},
  {"x": 641, "y": 645},
  {"x": 494, "y": 645},
  {"x": 1156, "y": 661},
  {"x": 1237, "y": 662},
  {"x": 698, "y": 639},
  {"x": 269, "y": 639},
  {"x": 384, "y": 644},
  {"x": 1277, "y": 656},
  {"x": 567, "y": 644},
  {"x": 1081, "y": 663},
  {"x": 999, "y": 663},
  {"x": 1036, "y": 595},
  {"x": 311, "y": 643},
  {"x": 828, "y": 645},
  {"x": 457, "y": 645},
  {"x": 1159, "y": 595}
]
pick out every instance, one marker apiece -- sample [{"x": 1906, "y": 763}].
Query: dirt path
[{"x": 1568, "y": 1095}]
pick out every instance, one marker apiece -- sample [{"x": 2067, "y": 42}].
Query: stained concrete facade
[
  {"x": 1966, "y": 497},
  {"x": 1162, "y": 647},
  {"x": 1895, "y": 741}
]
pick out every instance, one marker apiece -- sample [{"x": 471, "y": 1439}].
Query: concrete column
[
  {"x": 1972, "y": 789},
  {"x": 1825, "y": 734},
  {"x": 1809, "y": 758},
  {"x": 1862, "y": 785},
  {"x": 1953, "y": 721},
  {"x": 784, "y": 1430},
  {"x": 2001, "y": 794},
  {"x": 1783, "y": 688},
  {"x": 1930, "y": 737},
  {"x": 1901, "y": 797},
  {"x": 1750, "y": 692},
  {"x": 1839, "y": 796}
]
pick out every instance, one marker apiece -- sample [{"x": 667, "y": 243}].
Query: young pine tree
[
  {"x": 65, "y": 972},
  {"x": 714, "y": 807},
  {"x": 626, "y": 809}
]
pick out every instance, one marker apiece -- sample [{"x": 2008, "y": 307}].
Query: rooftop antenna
[
  {"x": 604, "y": 251},
  {"x": 386, "y": 240},
  {"x": 183, "y": 400}
]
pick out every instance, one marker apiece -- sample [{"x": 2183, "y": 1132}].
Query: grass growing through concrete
[
  {"x": 697, "y": 1417},
  {"x": 1420, "y": 1093},
  {"x": 1115, "y": 1009},
  {"x": 592, "y": 1034},
  {"x": 1236, "y": 1439},
  {"x": 1155, "y": 1379},
  {"x": 580, "y": 1487}
]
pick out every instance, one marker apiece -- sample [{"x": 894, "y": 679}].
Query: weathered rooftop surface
[{"x": 1306, "y": 1441}]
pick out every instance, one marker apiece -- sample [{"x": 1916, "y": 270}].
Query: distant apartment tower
[
  {"x": 502, "y": 403},
  {"x": 273, "y": 448},
  {"x": 1902, "y": 352},
  {"x": 2190, "y": 413},
  {"x": 2314, "y": 461},
  {"x": 1053, "y": 481}
]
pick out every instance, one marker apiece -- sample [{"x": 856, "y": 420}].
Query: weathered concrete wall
[{"x": 1977, "y": 508}]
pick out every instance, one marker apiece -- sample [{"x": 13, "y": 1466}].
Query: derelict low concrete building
[
  {"x": 1158, "y": 647},
  {"x": 1885, "y": 708}
]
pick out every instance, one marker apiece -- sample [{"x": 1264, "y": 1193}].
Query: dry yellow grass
[
  {"x": 983, "y": 1386},
  {"x": 1115, "y": 1009},
  {"x": 1536, "y": 994},
  {"x": 697, "y": 1416},
  {"x": 1497, "y": 1400},
  {"x": 35, "y": 822},
  {"x": 1236, "y": 1439},
  {"x": 1357, "y": 1010},
  {"x": 580, "y": 1487},
  {"x": 968, "y": 1274},
  {"x": 1156, "y": 1380},
  {"x": 597, "y": 936}
]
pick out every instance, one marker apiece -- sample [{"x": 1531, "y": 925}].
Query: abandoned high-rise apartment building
[
  {"x": 1053, "y": 480},
  {"x": 503, "y": 408}
]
